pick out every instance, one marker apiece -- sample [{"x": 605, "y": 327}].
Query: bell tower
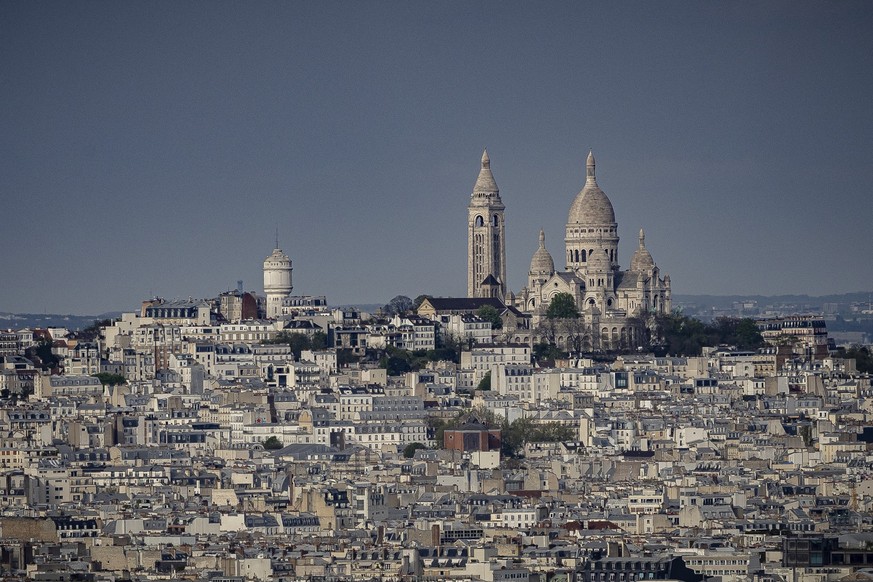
[{"x": 486, "y": 242}]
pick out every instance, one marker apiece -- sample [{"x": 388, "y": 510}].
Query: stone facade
[
  {"x": 606, "y": 296},
  {"x": 486, "y": 240},
  {"x": 277, "y": 281}
]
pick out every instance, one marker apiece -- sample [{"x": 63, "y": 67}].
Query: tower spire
[
  {"x": 542, "y": 238},
  {"x": 589, "y": 167},
  {"x": 277, "y": 237},
  {"x": 485, "y": 183},
  {"x": 486, "y": 250},
  {"x": 643, "y": 238}
]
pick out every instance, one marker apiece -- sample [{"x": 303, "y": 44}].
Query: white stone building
[{"x": 606, "y": 295}]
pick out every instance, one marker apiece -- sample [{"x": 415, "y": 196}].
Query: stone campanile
[{"x": 486, "y": 240}]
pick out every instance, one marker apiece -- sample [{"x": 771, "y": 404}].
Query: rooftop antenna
[{"x": 277, "y": 235}]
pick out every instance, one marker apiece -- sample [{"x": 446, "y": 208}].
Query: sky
[{"x": 154, "y": 148}]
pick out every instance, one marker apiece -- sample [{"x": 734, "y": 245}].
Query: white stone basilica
[{"x": 605, "y": 295}]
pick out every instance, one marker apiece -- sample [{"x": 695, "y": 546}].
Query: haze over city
[{"x": 155, "y": 149}]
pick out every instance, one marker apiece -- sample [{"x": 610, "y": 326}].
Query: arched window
[
  {"x": 583, "y": 255},
  {"x": 480, "y": 221},
  {"x": 577, "y": 256},
  {"x": 495, "y": 220}
]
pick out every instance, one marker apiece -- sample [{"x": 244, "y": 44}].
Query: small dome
[
  {"x": 599, "y": 260},
  {"x": 591, "y": 206},
  {"x": 642, "y": 260},
  {"x": 542, "y": 263}
]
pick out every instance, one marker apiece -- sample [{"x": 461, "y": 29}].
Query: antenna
[{"x": 277, "y": 235}]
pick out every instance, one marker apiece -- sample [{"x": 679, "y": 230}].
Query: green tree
[
  {"x": 681, "y": 335},
  {"x": 398, "y": 306},
  {"x": 490, "y": 313},
  {"x": 42, "y": 352},
  {"x": 544, "y": 351},
  {"x": 748, "y": 336},
  {"x": 397, "y": 361},
  {"x": 442, "y": 355},
  {"x": 296, "y": 341},
  {"x": 318, "y": 341},
  {"x": 523, "y": 430},
  {"x": 485, "y": 382},
  {"x": 562, "y": 306},
  {"x": 410, "y": 449},
  {"x": 514, "y": 435},
  {"x": 862, "y": 356},
  {"x": 108, "y": 379},
  {"x": 273, "y": 443},
  {"x": 92, "y": 332},
  {"x": 346, "y": 357}
]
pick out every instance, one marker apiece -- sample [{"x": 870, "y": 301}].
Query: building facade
[
  {"x": 277, "y": 281},
  {"x": 606, "y": 296},
  {"x": 486, "y": 241}
]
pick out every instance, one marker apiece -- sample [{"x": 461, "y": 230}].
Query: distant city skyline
[{"x": 151, "y": 149}]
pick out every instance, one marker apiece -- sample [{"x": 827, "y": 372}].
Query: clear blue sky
[{"x": 153, "y": 147}]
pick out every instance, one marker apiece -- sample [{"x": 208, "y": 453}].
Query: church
[{"x": 606, "y": 296}]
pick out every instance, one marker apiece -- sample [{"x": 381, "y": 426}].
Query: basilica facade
[{"x": 606, "y": 296}]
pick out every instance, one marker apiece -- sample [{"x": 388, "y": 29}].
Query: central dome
[{"x": 591, "y": 206}]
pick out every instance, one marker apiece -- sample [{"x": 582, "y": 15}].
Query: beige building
[
  {"x": 277, "y": 281},
  {"x": 486, "y": 241},
  {"x": 606, "y": 295}
]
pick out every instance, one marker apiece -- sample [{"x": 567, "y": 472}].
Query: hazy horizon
[{"x": 154, "y": 149}]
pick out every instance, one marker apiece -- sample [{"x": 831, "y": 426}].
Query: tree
[
  {"x": 397, "y": 361},
  {"x": 345, "y": 357},
  {"x": 490, "y": 313},
  {"x": 862, "y": 356},
  {"x": 398, "y": 306},
  {"x": 92, "y": 332},
  {"x": 42, "y": 351},
  {"x": 273, "y": 443},
  {"x": 523, "y": 430},
  {"x": 318, "y": 341},
  {"x": 296, "y": 341},
  {"x": 544, "y": 351},
  {"x": 748, "y": 336},
  {"x": 108, "y": 379},
  {"x": 485, "y": 382},
  {"x": 576, "y": 331},
  {"x": 679, "y": 334},
  {"x": 562, "y": 306},
  {"x": 410, "y": 449}
]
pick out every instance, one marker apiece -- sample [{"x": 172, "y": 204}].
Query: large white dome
[{"x": 591, "y": 207}]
